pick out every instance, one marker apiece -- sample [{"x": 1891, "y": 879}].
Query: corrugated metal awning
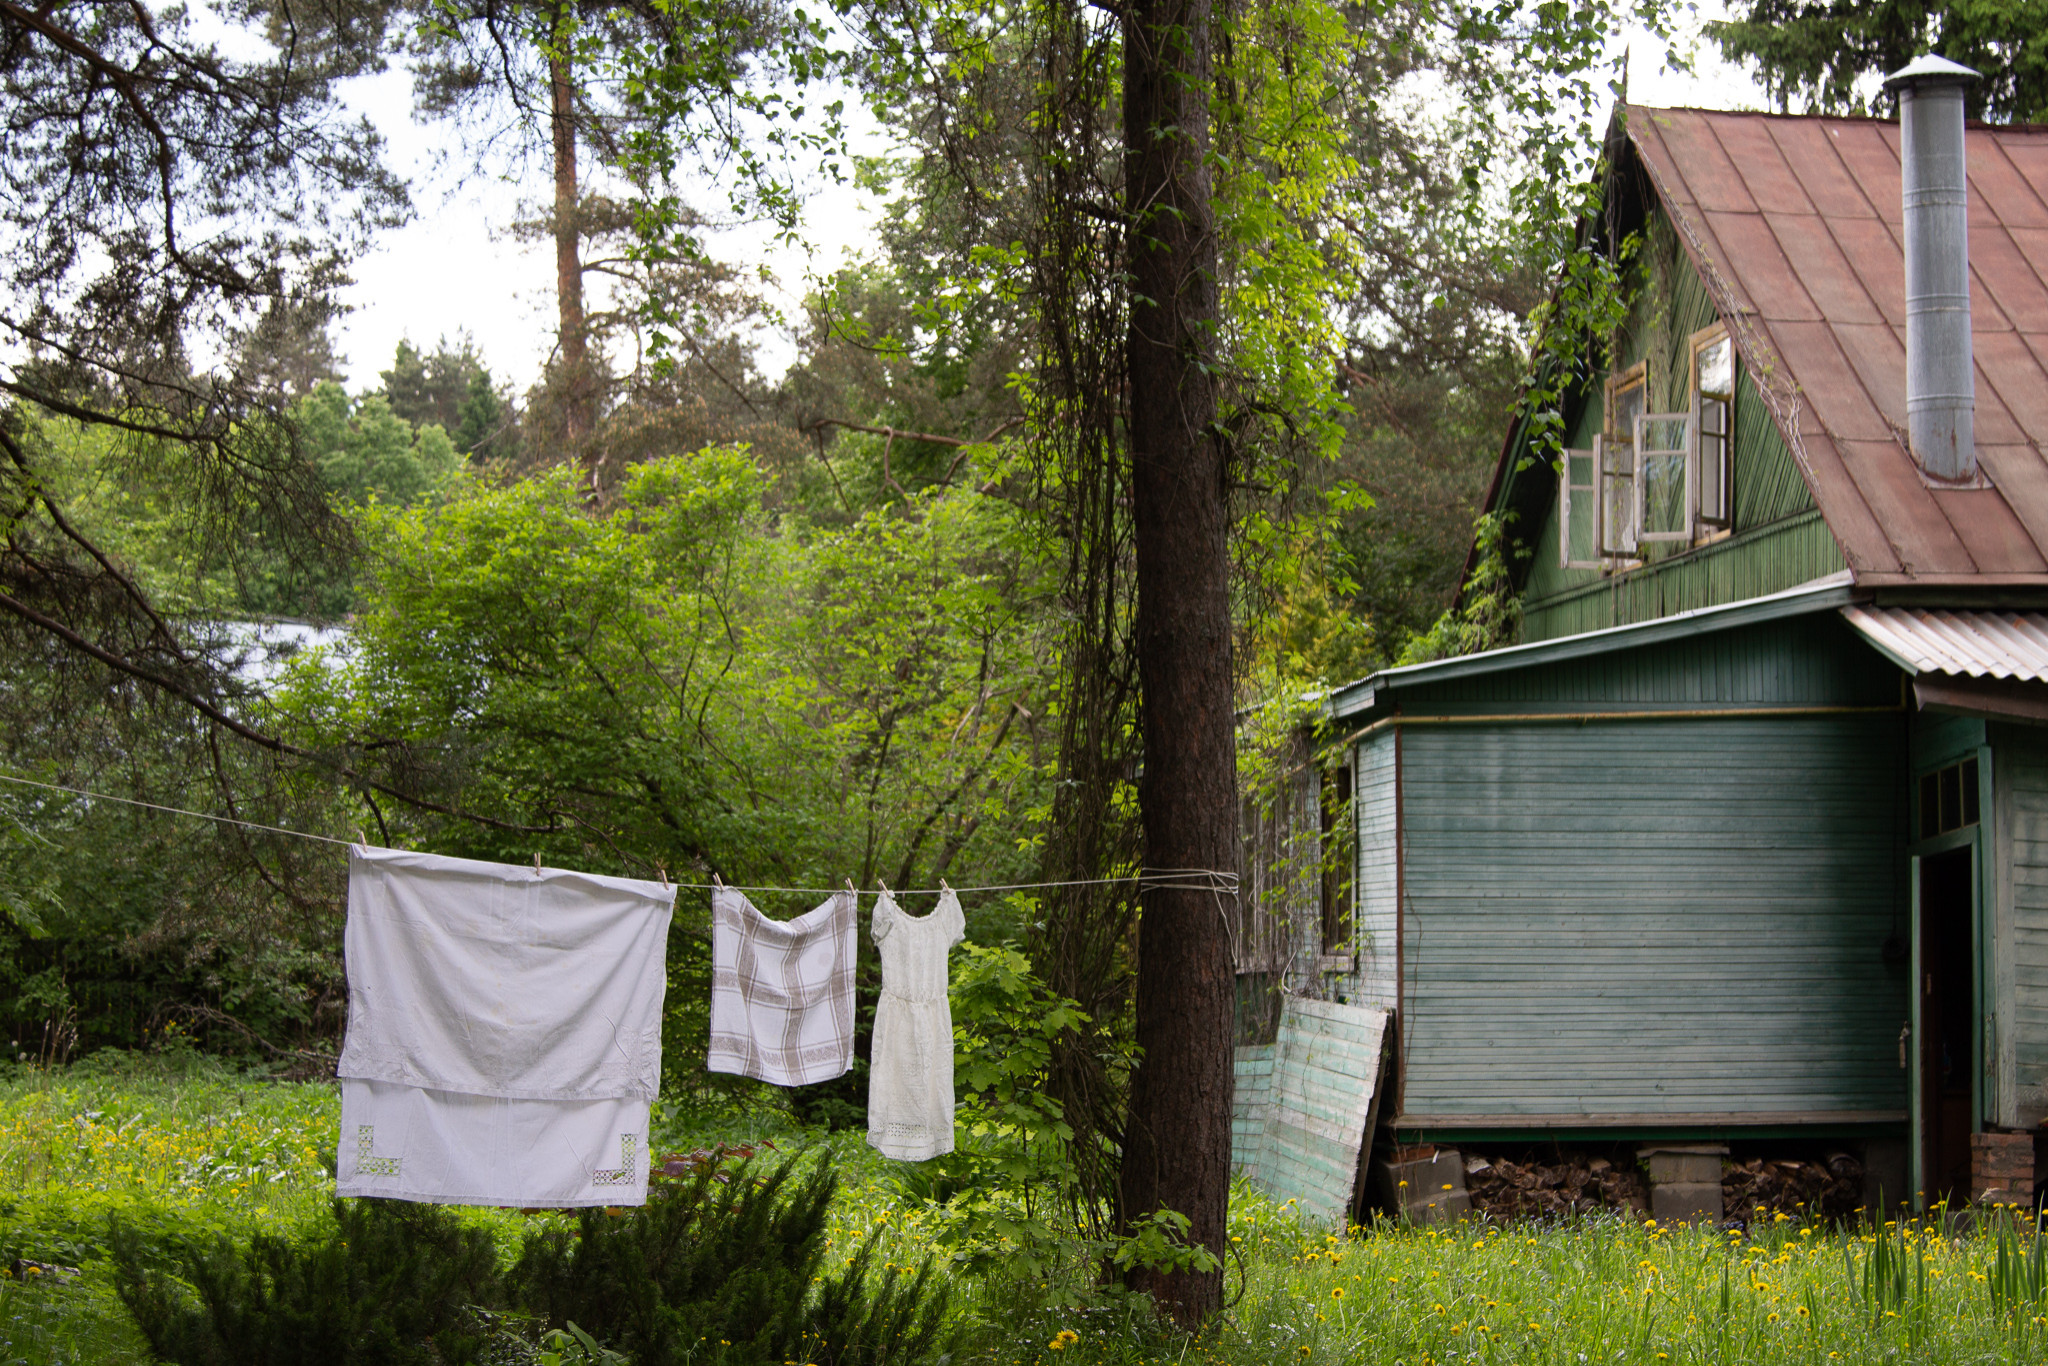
[{"x": 2009, "y": 645}]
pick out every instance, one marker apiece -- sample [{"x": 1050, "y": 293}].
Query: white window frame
[
  {"x": 1686, "y": 453},
  {"x": 1700, "y": 340},
  {"x": 1565, "y": 489},
  {"x": 1618, "y": 469}
]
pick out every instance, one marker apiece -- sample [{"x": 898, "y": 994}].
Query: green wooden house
[{"x": 1748, "y": 838}]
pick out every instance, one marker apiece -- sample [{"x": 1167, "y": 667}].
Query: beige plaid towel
[{"x": 782, "y": 991}]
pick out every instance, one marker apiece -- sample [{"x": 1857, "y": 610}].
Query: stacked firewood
[
  {"x": 1830, "y": 1189},
  {"x": 1552, "y": 1184}
]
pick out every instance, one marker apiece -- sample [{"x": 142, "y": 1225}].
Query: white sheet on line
[
  {"x": 493, "y": 980},
  {"x": 504, "y": 1034}
]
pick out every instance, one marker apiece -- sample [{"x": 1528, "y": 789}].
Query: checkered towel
[{"x": 782, "y": 991}]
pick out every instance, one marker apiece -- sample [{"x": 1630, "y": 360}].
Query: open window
[
  {"x": 1664, "y": 484},
  {"x": 1713, "y": 406},
  {"x": 1617, "y": 529},
  {"x": 1578, "y": 520}
]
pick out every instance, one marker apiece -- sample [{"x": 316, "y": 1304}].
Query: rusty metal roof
[
  {"x": 1794, "y": 224},
  {"x": 2010, "y": 645}
]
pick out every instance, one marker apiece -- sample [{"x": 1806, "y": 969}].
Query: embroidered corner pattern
[
  {"x": 627, "y": 1172},
  {"x": 367, "y": 1164}
]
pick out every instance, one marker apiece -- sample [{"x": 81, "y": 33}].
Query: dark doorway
[{"x": 1948, "y": 1020}]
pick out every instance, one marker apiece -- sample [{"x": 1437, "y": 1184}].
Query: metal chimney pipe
[{"x": 1941, "y": 372}]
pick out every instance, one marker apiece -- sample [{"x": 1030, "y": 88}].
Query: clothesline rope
[{"x": 1155, "y": 879}]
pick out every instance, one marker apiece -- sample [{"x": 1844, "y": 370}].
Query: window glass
[
  {"x": 1714, "y": 394},
  {"x": 1663, "y": 454},
  {"x": 1948, "y": 799},
  {"x": 1618, "y": 475},
  {"x": 1581, "y": 529}
]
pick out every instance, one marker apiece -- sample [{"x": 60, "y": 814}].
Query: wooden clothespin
[
  {"x": 362, "y": 838},
  {"x": 536, "y": 863},
  {"x": 664, "y": 874},
  {"x": 718, "y": 882}
]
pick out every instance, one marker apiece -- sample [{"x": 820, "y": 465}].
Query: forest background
[{"x": 662, "y": 613}]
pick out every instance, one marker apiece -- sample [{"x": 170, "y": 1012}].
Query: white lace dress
[{"x": 910, "y": 1079}]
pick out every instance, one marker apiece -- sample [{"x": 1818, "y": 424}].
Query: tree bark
[
  {"x": 1177, "y": 1143},
  {"x": 577, "y": 406}
]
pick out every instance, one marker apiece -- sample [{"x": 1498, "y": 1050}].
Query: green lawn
[{"x": 187, "y": 1147}]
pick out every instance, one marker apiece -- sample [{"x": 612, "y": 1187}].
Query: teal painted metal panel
[
  {"x": 1653, "y": 918},
  {"x": 1252, "y": 1068},
  {"x": 1816, "y": 660},
  {"x": 1323, "y": 1069}
]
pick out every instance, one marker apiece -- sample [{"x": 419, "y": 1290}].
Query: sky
[{"x": 457, "y": 268}]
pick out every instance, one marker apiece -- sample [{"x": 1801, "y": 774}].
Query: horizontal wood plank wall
[
  {"x": 1635, "y": 919},
  {"x": 2019, "y": 768},
  {"x": 1372, "y": 984}
]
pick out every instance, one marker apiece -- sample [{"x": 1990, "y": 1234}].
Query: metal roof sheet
[
  {"x": 2009, "y": 645},
  {"x": 1794, "y": 223}
]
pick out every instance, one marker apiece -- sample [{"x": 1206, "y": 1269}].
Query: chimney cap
[{"x": 1930, "y": 70}]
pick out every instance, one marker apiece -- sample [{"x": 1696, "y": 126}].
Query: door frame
[{"x": 1983, "y": 1049}]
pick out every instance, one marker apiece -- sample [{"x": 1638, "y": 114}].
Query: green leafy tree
[
  {"x": 450, "y": 387},
  {"x": 1828, "y": 56},
  {"x": 367, "y": 452}
]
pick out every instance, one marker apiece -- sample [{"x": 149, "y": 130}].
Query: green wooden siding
[
  {"x": 1814, "y": 660},
  {"x": 1749, "y": 565},
  {"x": 1779, "y": 541},
  {"x": 2019, "y": 769},
  {"x": 1624, "y": 921}
]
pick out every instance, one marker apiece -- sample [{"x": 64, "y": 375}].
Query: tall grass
[{"x": 196, "y": 1148}]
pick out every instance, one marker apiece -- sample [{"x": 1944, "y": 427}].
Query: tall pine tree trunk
[
  {"x": 577, "y": 406},
  {"x": 1177, "y": 1144}
]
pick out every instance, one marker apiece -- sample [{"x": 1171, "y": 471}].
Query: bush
[
  {"x": 720, "y": 1266},
  {"x": 390, "y": 1286}
]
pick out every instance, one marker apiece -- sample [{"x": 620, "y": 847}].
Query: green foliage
[
  {"x": 389, "y": 1284},
  {"x": 1824, "y": 56},
  {"x": 367, "y": 452},
  {"x": 1488, "y": 614},
  {"x": 720, "y": 1266},
  {"x": 450, "y": 388}
]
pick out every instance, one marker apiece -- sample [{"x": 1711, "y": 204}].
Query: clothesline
[{"x": 1155, "y": 879}]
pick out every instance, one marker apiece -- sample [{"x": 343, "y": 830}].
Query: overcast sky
[{"x": 456, "y": 266}]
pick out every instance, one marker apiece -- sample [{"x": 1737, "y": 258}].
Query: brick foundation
[{"x": 2002, "y": 1168}]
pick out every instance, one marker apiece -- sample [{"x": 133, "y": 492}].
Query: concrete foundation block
[
  {"x": 1428, "y": 1185},
  {"x": 1684, "y": 1168},
  {"x": 1686, "y": 1202}
]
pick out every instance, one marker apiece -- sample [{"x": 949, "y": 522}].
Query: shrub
[
  {"x": 389, "y": 1286},
  {"x": 721, "y": 1266}
]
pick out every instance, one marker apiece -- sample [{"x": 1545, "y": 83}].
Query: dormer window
[{"x": 1653, "y": 477}]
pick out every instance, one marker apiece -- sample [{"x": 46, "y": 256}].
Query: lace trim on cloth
[
  {"x": 626, "y": 1174},
  {"x": 366, "y": 1163}
]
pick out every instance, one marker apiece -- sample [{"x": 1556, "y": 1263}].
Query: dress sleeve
[
  {"x": 884, "y": 917},
  {"x": 956, "y": 919}
]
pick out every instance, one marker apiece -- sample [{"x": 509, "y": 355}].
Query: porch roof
[{"x": 2002, "y": 645}]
